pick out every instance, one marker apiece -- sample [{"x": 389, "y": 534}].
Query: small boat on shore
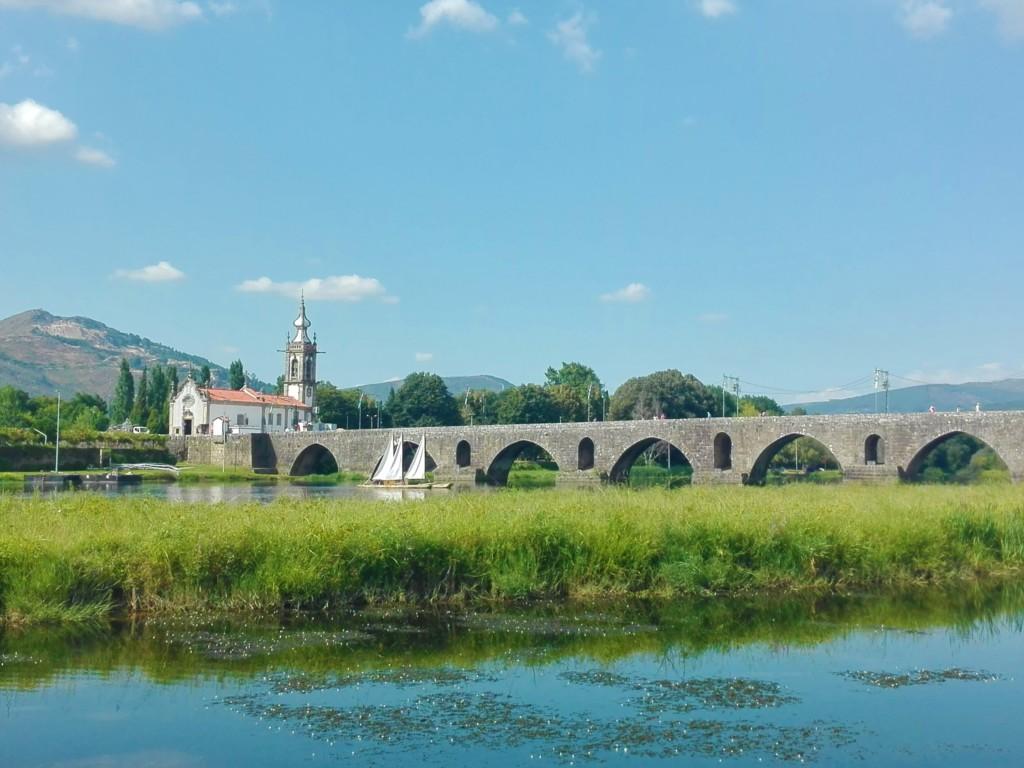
[{"x": 390, "y": 471}]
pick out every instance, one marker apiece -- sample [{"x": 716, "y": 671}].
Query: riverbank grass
[{"x": 77, "y": 555}]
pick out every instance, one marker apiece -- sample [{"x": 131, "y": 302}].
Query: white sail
[
  {"x": 418, "y": 468},
  {"x": 390, "y": 467}
]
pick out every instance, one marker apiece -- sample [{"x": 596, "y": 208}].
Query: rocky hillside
[{"x": 41, "y": 353}]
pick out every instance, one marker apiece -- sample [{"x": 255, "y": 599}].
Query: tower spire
[{"x": 301, "y": 322}]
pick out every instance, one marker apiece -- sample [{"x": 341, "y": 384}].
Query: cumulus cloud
[
  {"x": 424, "y": 357},
  {"x": 570, "y": 36},
  {"x": 30, "y": 124},
  {"x": 96, "y": 157},
  {"x": 147, "y": 14},
  {"x": 223, "y": 9},
  {"x": 1009, "y": 15},
  {"x": 161, "y": 272},
  {"x": 463, "y": 14},
  {"x": 349, "y": 288},
  {"x": 631, "y": 294},
  {"x": 925, "y": 18},
  {"x": 716, "y": 9}
]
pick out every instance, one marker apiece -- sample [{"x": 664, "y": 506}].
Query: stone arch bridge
[{"x": 874, "y": 448}]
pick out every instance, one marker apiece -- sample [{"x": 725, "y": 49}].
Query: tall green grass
[{"x": 79, "y": 555}]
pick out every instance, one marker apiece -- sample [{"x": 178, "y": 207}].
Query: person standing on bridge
[{"x": 931, "y": 409}]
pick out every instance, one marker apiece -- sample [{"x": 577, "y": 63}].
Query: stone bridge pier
[{"x": 870, "y": 448}]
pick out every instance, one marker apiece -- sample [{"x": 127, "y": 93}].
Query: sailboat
[{"x": 391, "y": 473}]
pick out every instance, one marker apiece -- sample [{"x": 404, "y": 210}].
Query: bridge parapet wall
[{"x": 585, "y": 450}]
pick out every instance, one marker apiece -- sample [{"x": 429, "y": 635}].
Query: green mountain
[
  {"x": 457, "y": 385},
  {"x": 42, "y": 353},
  {"x": 1004, "y": 395}
]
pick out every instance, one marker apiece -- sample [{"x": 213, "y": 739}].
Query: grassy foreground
[{"x": 79, "y": 556}]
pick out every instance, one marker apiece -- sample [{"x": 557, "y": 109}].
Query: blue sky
[{"x": 791, "y": 191}]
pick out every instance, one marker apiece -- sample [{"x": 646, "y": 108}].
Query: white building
[{"x": 197, "y": 410}]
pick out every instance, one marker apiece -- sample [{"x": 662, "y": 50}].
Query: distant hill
[
  {"x": 457, "y": 385},
  {"x": 1004, "y": 395},
  {"x": 42, "y": 353}
]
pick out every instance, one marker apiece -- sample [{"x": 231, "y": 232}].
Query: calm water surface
[{"x": 924, "y": 679}]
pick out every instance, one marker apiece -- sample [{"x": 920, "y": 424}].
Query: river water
[{"x": 912, "y": 679}]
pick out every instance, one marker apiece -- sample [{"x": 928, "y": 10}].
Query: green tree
[
  {"x": 279, "y": 387},
  {"x": 124, "y": 395},
  {"x": 798, "y": 411},
  {"x": 341, "y": 406},
  {"x": 158, "y": 400},
  {"x": 236, "y": 375},
  {"x": 669, "y": 394},
  {"x": 172, "y": 381},
  {"x": 584, "y": 382},
  {"x": 569, "y": 405},
  {"x": 527, "y": 404},
  {"x": 140, "y": 409},
  {"x": 85, "y": 413},
  {"x": 14, "y": 407},
  {"x": 479, "y": 406},
  {"x": 205, "y": 377},
  {"x": 423, "y": 400}
]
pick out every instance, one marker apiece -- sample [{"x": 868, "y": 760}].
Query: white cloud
[
  {"x": 464, "y": 14},
  {"x": 350, "y": 288},
  {"x": 1009, "y": 15},
  {"x": 424, "y": 357},
  {"x": 631, "y": 294},
  {"x": 161, "y": 272},
  {"x": 223, "y": 9},
  {"x": 147, "y": 14},
  {"x": 97, "y": 157},
  {"x": 72, "y": 44},
  {"x": 716, "y": 9},
  {"x": 571, "y": 36},
  {"x": 925, "y": 18},
  {"x": 517, "y": 18},
  {"x": 30, "y": 124}
]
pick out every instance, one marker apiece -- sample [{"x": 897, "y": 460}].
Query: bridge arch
[
  {"x": 585, "y": 454},
  {"x": 723, "y": 451},
  {"x": 463, "y": 454},
  {"x": 759, "y": 471},
  {"x": 915, "y": 467},
  {"x": 874, "y": 450},
  {"x": 314, "y": 459},
  {"x": 673, "y": 454},
  {"x": 498, "y": 469}
]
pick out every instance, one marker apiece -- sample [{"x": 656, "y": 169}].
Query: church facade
[{"x": 197, "y": 410}]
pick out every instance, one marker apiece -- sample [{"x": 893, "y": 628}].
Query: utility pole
[
  {"x": 359, "y": 407},
  {"x": 734, "y": 383},
  {"x": 881, "y": 382},
  {"x": 590, "y": 388}
]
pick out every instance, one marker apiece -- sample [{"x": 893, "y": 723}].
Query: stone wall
[{"x": 486, "y": 451}]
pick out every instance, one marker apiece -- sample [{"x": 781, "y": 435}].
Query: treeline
[
  {"x": 145, "y": 403},
  {"x": 573, "y": 392}
]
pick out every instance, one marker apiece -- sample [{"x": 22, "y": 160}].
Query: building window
[
  {"x": 295, "y": 367},
  {"x": 241, "y": 420},
  {"x": 279, "y": 419},
  {"x": 309, "y": 368}
]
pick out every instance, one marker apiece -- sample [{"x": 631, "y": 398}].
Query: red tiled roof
[{"x": 246, "y": 396}]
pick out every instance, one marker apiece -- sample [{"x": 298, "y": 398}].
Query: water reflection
[{"x": 921, "y": 677}]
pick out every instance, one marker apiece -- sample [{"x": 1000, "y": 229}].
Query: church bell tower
[{"x": 300, "y": 361}]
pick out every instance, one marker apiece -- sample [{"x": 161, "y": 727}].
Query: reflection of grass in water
[
  {"x": 918, "y": 677},
  {"x": 180, "y": 648},
  {"x": 531, "y": 476}
]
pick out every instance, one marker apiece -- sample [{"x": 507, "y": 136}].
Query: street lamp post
[
  {"x": 359, "y": 407},
  {"x": 56, "y": 455},
  {"x": 590, "y": 388}
]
